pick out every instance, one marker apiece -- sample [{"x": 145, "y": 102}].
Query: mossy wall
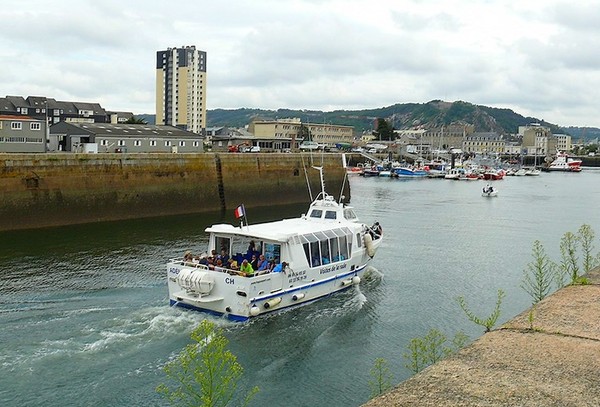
[{"x": 39, "y": 190}]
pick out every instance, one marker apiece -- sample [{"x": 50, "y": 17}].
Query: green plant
[
  {"x": 531, "y": 317},
  {"x": 568, "y": 252},
  {"x": 431, "y": 348},
  {"x": 537, "y": 279},
  {"x": 417, "y": 360},
  {"x": 205, "y": 373},
  {"x": 489, "y": 322},
  {"x": 381, "y": 380},
  {"x": 586, "y": 238}
]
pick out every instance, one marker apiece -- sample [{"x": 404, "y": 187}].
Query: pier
[
  {"x": 40, "y": 190},
  {"x": 557, "y": 363}
]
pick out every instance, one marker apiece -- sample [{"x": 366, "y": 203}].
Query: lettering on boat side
[
  {"x": 296, "y": 276},
  {"x": 229, "y": 280},
  {"x": 336, "y": 267},
  {"x": 174, "y": 270}
]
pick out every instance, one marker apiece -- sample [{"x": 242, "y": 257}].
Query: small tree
[
  {"x": 206, "y": 373},
  {"x": 586, "y": 238},
  {"x": 538, "y": 276},
  {"x": 432, "y": 348},
  {"x": 381, "y": 380},
  {"x": 568, "y": 252},
  {"x": 490, "y": 321}
]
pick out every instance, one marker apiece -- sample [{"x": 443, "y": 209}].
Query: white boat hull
[{"x": 240, "y": 298}]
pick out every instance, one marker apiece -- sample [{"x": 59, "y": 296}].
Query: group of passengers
[{"x": 253, "y": 263}]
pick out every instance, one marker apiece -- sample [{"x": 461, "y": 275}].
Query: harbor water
[{"x": 85, "y": 319}]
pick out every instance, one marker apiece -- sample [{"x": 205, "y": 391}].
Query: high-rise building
[{"x": 181, "y": 88}]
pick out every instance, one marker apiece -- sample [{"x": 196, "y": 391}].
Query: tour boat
[
  {"x": 323, "y": 251},
  {"x": 564, "y": 163}
]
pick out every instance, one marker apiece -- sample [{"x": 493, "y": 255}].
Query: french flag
[{"x": 240, "y": 211}]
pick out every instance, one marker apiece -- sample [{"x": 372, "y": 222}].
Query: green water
[{"x": 85, "y": 317}]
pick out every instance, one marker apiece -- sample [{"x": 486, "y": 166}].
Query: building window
[
  {"x": 16, "y": 125},
  {"x": 152, "y": 143},
  {"x": 121, "y": 143},
  {"x": 168, "y": 143},
  {"x": 196, "y": 144},
  {"x": 35, "y": 126},
  {"x": 182, "y": 143},
  {"x": 103, "y": 142},
  {"x": 137, "y": 143}
]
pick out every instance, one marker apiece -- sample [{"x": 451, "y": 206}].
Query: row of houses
[
  {"x": 39, "y": 124},
  {"x": 535, "y": 140}
]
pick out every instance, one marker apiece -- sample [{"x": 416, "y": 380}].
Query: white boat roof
[{"x": 283, "y": 230}]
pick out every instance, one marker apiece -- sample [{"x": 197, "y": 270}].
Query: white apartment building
[{"x": 181, "y": 88}]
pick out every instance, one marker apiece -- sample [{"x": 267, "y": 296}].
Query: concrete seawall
[
  {"x": 39, "y": 190},
  {"x": 557, "y": 363}
]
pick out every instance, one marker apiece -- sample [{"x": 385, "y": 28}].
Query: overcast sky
[{"x": 539, "y": 58}]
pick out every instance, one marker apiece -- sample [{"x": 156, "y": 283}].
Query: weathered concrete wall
[
  {"x": 549, "y": 359},
  {"x": 39, "y": 190}
]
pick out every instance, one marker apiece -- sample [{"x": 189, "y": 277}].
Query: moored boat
[
  {"x": 408, "y": 172},
  {"x": 563, "y": 162},
  {"x": 322, "y": 252}
]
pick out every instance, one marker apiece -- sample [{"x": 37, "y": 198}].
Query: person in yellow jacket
[{"x": 246, "y": 269}]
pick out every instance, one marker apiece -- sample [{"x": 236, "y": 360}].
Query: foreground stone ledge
[{"x": 557, "y": 363}]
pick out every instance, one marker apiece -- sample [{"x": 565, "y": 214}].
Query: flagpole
[{"x": 245, "y": 217}]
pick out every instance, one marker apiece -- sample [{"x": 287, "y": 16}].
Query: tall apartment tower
[{"x": 181, "y": 88}]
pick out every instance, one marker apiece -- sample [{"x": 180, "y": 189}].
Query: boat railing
[{"x": 183, "y": 262}]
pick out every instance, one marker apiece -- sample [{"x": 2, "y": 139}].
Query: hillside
[{"x": 401, "y": 116}]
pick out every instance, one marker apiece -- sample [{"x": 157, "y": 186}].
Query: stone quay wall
[
  {"x": 548, "y": 355},
  {"x": 41, "y": 190}
]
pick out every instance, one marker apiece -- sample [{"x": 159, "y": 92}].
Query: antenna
[{"x": 320, "y": 169}]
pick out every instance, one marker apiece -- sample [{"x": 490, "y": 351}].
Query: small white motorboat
[{"x": 489, "y": 191}]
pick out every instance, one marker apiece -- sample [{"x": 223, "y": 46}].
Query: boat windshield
[{"x": 349, "y": 214}]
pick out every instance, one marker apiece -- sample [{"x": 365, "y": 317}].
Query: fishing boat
[
  {"x": 563, "y": 162},
  {"x": 409, "y": 172},
  {"x": 323, "y": 251}
]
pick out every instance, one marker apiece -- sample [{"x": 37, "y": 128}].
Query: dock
[{"x": 557, "y": 363}]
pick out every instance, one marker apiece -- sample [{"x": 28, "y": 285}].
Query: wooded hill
[{"x": 401, "y": 116}]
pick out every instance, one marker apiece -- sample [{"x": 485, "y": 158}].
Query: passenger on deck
[
  {"x": 325, "y": 260},
  {"x": 280, "y": 267},
  {"x": 378, "y": 229},
  {"x": 188, "y": 256},
  {"x": 233, "y": 264},
  {"x": 254, "y": 262},
  {"x": 263, "y": 264},
  {"x": 251, "y": 249},
  {"x": 316, "y": 261},
  {"x": 223, "y": 256},
  {"x": 246, "y": 269}
]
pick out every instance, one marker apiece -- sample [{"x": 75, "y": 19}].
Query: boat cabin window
[
  {"x": 272, "y": 251},
  {"x": 349, "y": 214},
  {"x": 223, "y": 243},
  {"x": 316, "y": 213},
  {"x": 330, "y": 246},
  {"x": 330, "y": 215}
]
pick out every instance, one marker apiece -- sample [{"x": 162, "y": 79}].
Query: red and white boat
[{"x": 563, "y": 162}]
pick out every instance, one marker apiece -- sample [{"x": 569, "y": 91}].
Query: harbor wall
[
  {"x": 548, "y": 355},
  {"x": 40, "y": 190}
]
